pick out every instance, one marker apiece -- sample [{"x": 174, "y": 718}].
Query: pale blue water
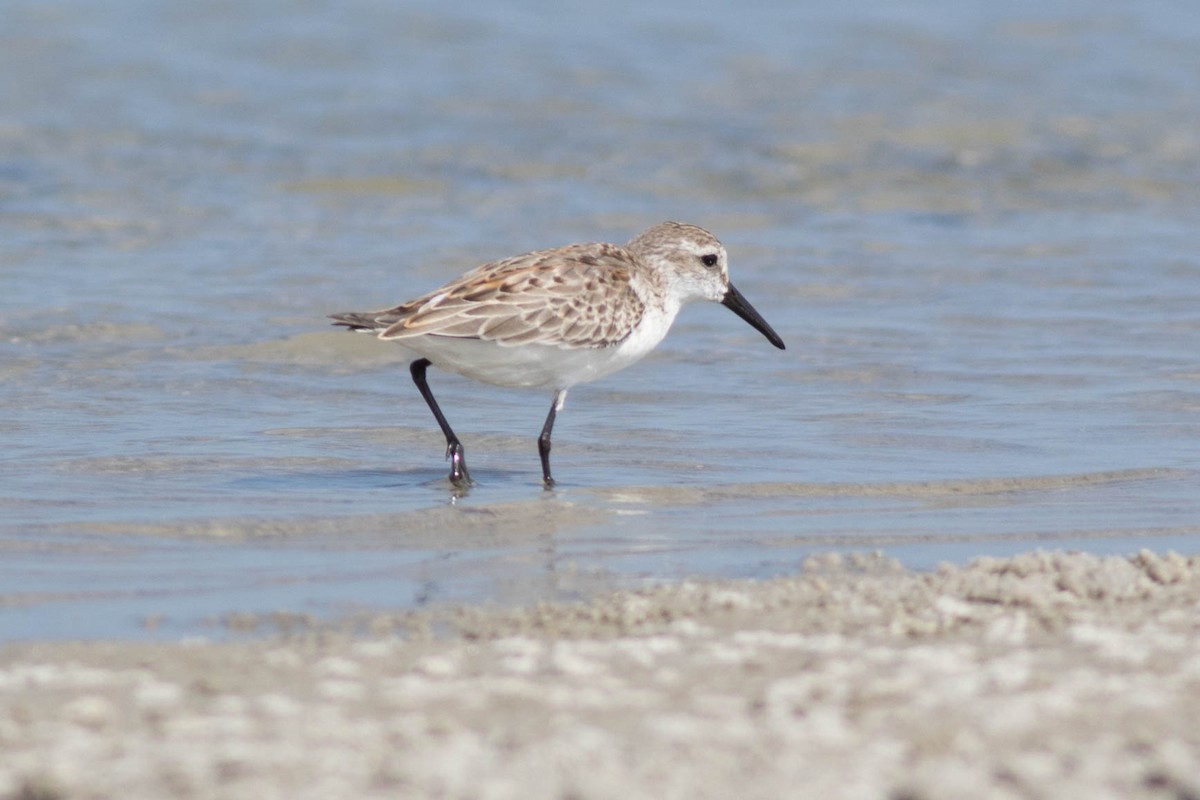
[{"x": 973, "y": 224}]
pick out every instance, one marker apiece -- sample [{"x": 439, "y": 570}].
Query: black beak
[{"x": 740, "y": 306}]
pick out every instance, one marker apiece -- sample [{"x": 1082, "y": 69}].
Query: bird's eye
[{"x": 709, "y": 259}]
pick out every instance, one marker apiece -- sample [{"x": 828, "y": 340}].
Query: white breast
[{"x": 544, "y": 366}]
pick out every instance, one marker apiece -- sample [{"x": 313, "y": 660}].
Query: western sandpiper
[{"x": 554, "y": 318}]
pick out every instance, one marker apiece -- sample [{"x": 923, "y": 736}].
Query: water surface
[{"x": 974, "y": 226}]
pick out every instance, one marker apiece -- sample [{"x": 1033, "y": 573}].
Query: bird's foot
[{"x": 459, "y": 475}]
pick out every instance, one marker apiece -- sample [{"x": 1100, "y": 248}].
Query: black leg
[
  {"x": 454, "y": 449},
  {"x": 544, "y": 439}
]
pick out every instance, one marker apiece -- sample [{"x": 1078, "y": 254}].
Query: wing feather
[{"x": 576, "y": 296}]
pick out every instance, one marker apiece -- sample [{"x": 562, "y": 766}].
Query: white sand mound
[{"x": 1046, "y": 675}]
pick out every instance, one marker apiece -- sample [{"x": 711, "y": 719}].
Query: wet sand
[{"x": 1044, "y": 675}]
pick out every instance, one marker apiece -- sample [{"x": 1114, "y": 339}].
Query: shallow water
[{"x": 974, "y": 227}]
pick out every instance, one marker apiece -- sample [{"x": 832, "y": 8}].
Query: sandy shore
[{"x": 1047, "y": 675}]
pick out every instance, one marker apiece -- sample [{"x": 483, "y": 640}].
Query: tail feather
[{"x": 357, "y": 321}]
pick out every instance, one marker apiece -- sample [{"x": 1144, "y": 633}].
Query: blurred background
[{"x": 974, "y": 224}]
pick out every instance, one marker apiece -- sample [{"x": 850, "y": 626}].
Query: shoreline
[{"x": 1034, "y": 676}]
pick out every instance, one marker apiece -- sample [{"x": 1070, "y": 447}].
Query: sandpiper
[{"x": 555, "y": 318}]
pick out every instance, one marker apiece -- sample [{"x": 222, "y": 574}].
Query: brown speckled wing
[{"x": 575, "y": 296}]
